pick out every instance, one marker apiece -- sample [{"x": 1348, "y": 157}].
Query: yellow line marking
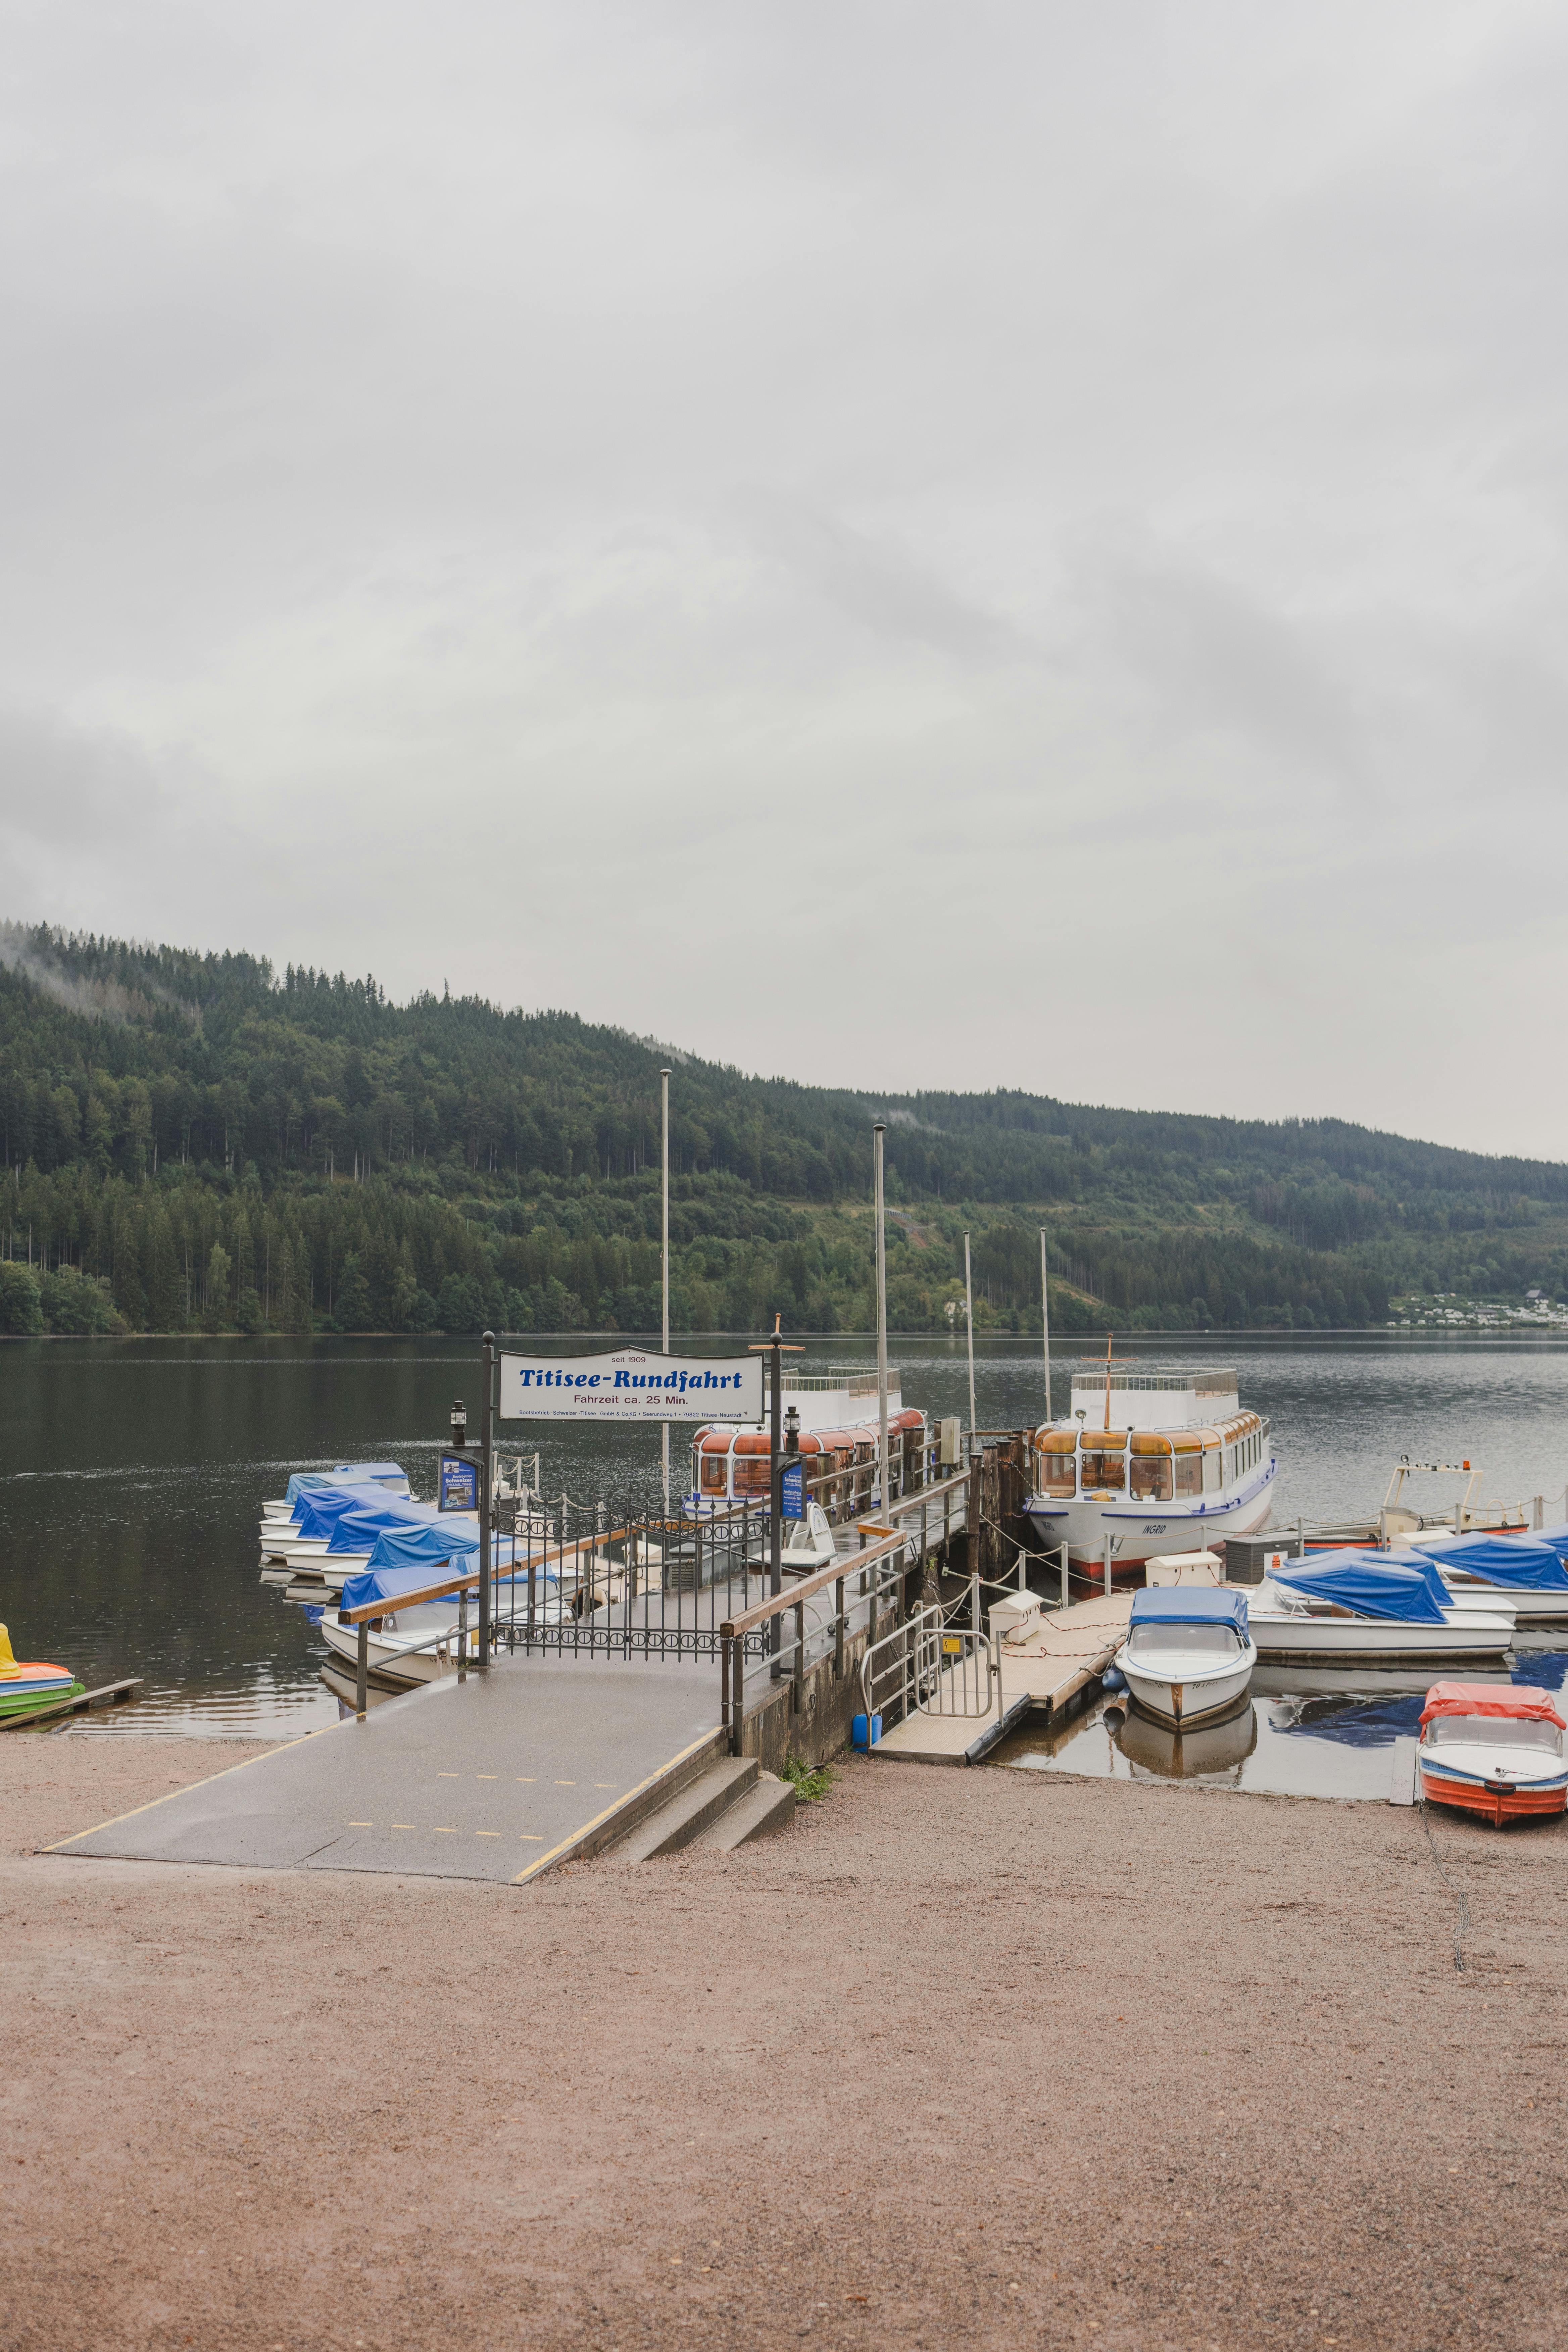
[
  {"x": 448, "y": 1775},
  {"x": 445, "y": 1829},
  {"x": 528, "y": 1776},
  {"x": 403, "y": 1825},
  {"x": 486, "y": 1776},
  {"x": 486, "y": 1832},
  {"x": 528, "y": 1838},
  {"x": 362, "y": 1825},
  {"x": 566, "y": 1784},
  {"x": 115, "y": 1819},
  {"x": 546, "y": 1859},
  {"x": 603, "y": 1784}
]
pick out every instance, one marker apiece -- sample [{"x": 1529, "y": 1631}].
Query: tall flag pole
[
  {"x": 664, "y": 1261},
  {"x": 969, "y": 1325}
]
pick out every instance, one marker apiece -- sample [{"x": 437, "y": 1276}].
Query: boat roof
[
  {"x": 1190, "y": 1604},
  {"x": 1506, "y": 1560},
  {"x": 1372, "y": 1583},
  {"x": 1521, "y": 1702},
  {"x": 347, "y": 1474}
]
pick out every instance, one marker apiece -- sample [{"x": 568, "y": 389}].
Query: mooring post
[
  {"x": 362, "y": 1679},
  {"x": 1108, "y": 1567},
  {"x": 1064, "y": 1576}
]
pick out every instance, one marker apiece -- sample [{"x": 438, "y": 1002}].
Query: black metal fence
[{"x": 586, "y": 1581}]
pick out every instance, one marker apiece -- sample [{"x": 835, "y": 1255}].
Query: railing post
[
  {"x": 1066, "y": 1597},
  {"x": 738, "y": 1695},
  {"x": 800, "y": 1657},
  {"x": 362, "y": 1679},
  {"x": 838, "y": 1631},
  {"x": 726, "y": 1643}
]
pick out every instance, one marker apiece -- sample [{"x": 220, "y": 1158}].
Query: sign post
[{"x": 487, "y": 1485}]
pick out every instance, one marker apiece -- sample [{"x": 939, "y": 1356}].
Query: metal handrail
[{"x": 938, "y": 1669}]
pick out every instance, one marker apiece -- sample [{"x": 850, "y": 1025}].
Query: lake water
[{"x": 132, "y": 1474}]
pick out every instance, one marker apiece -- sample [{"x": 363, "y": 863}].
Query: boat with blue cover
[
  {"x": 280, "y": 1514},
  {"x": 1528, "y": 1569},
  {"x": 1374, "y": 1608},
  {"x": 1189, "y": 1653}
]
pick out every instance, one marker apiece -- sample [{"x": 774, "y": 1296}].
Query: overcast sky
[{"x": 901, "y": 545}]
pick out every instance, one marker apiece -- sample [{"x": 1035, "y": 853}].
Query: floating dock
[{"x": 1044, "y": 1675}]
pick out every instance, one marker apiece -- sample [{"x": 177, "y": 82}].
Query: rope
[{"x": 1462, "y": 1922}]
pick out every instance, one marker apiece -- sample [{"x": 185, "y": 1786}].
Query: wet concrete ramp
[{"x": 496, "y": 1776}]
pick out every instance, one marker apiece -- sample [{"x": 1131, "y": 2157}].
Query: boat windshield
[
  {"x": 1188, "y": 1641},
  {"x": 1104, "y": 1459},
  {"x": 1058, "y": 1460},
  {"x": 1493, "y": 1731}
]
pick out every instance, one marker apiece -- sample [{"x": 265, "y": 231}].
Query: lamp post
[
  {"x": 664, "y": 1265},
  {"x": 778, "y": 1347},
  {"x": 969, "y": 1320}
]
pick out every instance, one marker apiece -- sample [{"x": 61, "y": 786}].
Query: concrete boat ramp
[{"x": 497, "y": 1775}]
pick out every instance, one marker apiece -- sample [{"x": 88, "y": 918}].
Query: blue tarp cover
[
  {"x": 390, "y": 1584},
  {"x": 1556, "y": 1535},
  {"x": 320, "y": 1511},
  {"x": 1373, "y": 1583},
  {"x": 347, "y": 1474},
  {"x": 357, "y": 1529},
  {"x": 425, "y": 1546},
  {"x": 1190, "y": 1604},
  {"x": 1506, "y": 1559}
]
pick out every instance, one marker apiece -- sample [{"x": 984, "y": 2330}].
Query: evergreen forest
[{"x": 196, "y": 1142}]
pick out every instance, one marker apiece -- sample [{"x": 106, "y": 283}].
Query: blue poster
[
  {"x": 792, "y": 1487},
  {"x": 460, "y": 1484}
]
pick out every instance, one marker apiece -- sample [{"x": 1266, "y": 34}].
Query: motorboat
[
  {"x": 1493, "y": 1750},
  {"x": 1400, "y": 1520},
  {"x": 1373, "y": 1607},
  {"x": 416, "y": 1642},
  {"x": 1188, "y": 1656},
  {"x": 1529, "y": 1570},
  {"x": 29, "y": 1684},
  {"x": 280, "y": 1514},
  {"x": 1149, "y": 1462}
]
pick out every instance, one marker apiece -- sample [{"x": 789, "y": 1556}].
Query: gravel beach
[{"x": 965, "y": 2057}]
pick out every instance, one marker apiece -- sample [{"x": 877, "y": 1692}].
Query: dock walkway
[
  {"x": 1043, "y": 1675},
  {"x": 492, "y": 1775}
]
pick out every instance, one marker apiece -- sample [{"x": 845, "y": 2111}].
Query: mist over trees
[{"x": 195, "y": 1142}]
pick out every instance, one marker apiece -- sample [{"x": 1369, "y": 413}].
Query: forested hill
[{"x": 197, "y": 1141}]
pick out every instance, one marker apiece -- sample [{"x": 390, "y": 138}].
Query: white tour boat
[
  {"x": 1496, "y": 1752},
  {"x": 1149, "y": 1462},
  {"x": 1188, "y": 1656},
  {"x": 1369, "y": 1608},
  {"x": 839, "y": 1420}
]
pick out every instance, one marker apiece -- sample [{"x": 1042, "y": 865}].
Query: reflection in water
[
  {"x": 1215, "y": 1751},
  {"x": 1306, "y": 1732}
]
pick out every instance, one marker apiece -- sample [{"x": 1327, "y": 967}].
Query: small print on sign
[{"x": 631, "y": 1384}]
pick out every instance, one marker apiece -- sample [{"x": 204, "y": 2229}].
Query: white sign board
[{"x": 631, "y": 1384}]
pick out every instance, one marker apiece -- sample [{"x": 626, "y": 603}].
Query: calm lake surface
[{"x": 132, "y": 1474}]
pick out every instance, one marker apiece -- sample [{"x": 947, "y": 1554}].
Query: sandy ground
[{"x": 980, "y": 2057}]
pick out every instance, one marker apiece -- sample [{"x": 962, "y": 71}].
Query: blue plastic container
[{"x": 858, "y": 1732}]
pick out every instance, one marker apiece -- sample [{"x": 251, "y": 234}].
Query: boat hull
[
  {"x": 1305, "y": 1640},
  {"x": 1139, "y": 1535},
  {"x": 1195, "y": 1697},
  {"x": 1494, "y": 1800}
]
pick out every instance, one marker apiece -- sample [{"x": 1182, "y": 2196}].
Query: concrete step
[
  {"x": 696, "y": 1808},
  {"x": 767, "y": 1805}
]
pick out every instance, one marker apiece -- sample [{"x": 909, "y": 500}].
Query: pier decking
[{"x": 1043, "y": 1675}]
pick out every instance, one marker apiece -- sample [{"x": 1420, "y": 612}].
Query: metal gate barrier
[{"x": 930, "y": 1667}]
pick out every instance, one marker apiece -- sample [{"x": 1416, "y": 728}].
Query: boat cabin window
[
  {"x": 1493, "y": 1731},
  {"x": 1056, "y": 1457},
  {"x": 1212, "y": 1477},
  {"x": 1104, "y": 1459},
  {"x": 1150, "y": 1479},
  {"x": 1185, "y": 1640},
  {"x": 1189, "y": 1466},
  {"x": 715, "y": 1472}
]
